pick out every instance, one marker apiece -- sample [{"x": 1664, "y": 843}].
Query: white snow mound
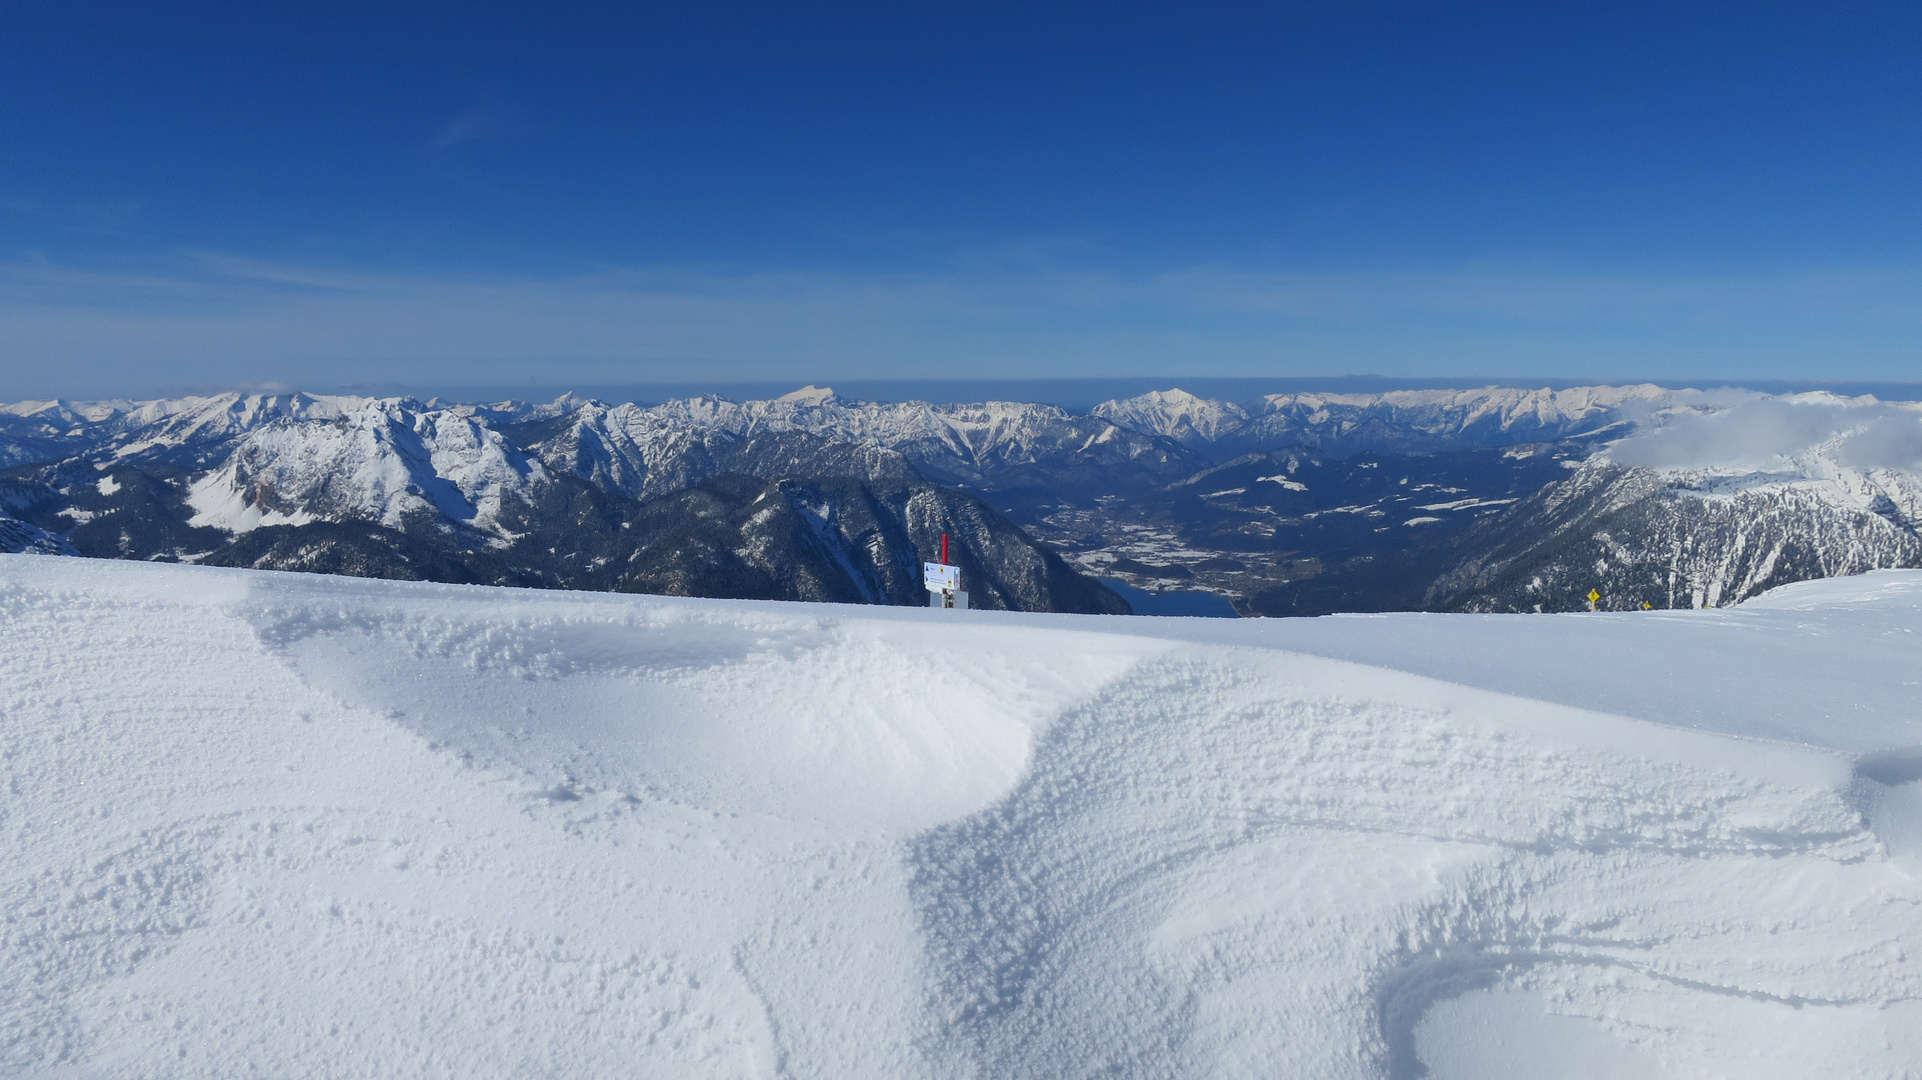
[{"x": 273, "y": 824}]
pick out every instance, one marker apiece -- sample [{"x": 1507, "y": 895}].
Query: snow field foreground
[{"x": 301, "y": 826}]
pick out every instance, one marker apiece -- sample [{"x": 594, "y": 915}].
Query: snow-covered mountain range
[
  {"x": 988, "y": 445},
  {"x": 1292, "y": 503},
  {"x": 1402, "y": 421},
  {"x": 569, "y": 494}
]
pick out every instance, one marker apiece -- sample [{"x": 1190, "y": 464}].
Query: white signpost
[
  {"x": 943, "y": 581},
  {"x": 941, "y": 578}
]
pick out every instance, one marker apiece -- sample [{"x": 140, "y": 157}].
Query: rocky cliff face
[
  {"x": 985, "y": 446},
  {"x": 643, "y": 453}
]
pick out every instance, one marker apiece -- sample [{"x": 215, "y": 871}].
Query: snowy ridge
[
  {"x": 1426, "y": 420},
  {"x": 43, "y": 430},
  {"x": 975, "y": 443},
  {"x": 1405, "y": 421},
  {"x": 209, "y": 421},
  {"x": 307, "y": 826},
  {"x": 644, "y": 454},
  {"x": 1712, "y": 510},
  {"x": 379, "y": 463},
  {"x": 64, "y": 413},
  {"x": 1002, "y": 433},
  {"x": 1177, "y": 414},
  {"x": 988, "y": 435},
  {"x": 619, "y": 447},
  {"x": 969, "y": 443}
]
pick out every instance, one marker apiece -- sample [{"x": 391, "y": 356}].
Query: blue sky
[{"x": 203, "y": 195}]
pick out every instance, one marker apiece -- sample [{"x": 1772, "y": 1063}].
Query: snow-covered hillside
[
  {"x": 290, "y": 825},
  {"x": 1711, "y": 510},
  {"x": 380, "y": 462}
]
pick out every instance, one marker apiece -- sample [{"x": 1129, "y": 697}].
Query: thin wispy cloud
[
  {"x": 218, "y": 317},
  {"x": 106, "y": 217},
  {"x": 480, "y": 125},
  {"x": 240, "y": 268},
  {"x": 1765, "y": 434}
]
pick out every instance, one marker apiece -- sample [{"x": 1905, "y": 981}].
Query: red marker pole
[{"x": 944, "y": 549}]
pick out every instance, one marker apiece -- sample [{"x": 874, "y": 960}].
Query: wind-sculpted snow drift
[{"x": 304, "y": 826}]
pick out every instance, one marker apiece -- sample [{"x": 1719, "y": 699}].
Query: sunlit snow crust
[{"x": 262, "y": 824}]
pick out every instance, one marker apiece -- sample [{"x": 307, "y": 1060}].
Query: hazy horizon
[{"x": 1072, "y": 394}]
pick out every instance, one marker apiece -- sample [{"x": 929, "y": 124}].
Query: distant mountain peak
[
  {"x": 811, "y": 395},
  {"x": 1176, "y": 414}
]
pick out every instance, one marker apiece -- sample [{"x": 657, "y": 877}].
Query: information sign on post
[
  {"x": 943, "y": 581},
  {"x": 940, "y": 578}
]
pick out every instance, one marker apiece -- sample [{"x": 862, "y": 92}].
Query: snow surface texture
[{"x": 288, "y": 825}]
